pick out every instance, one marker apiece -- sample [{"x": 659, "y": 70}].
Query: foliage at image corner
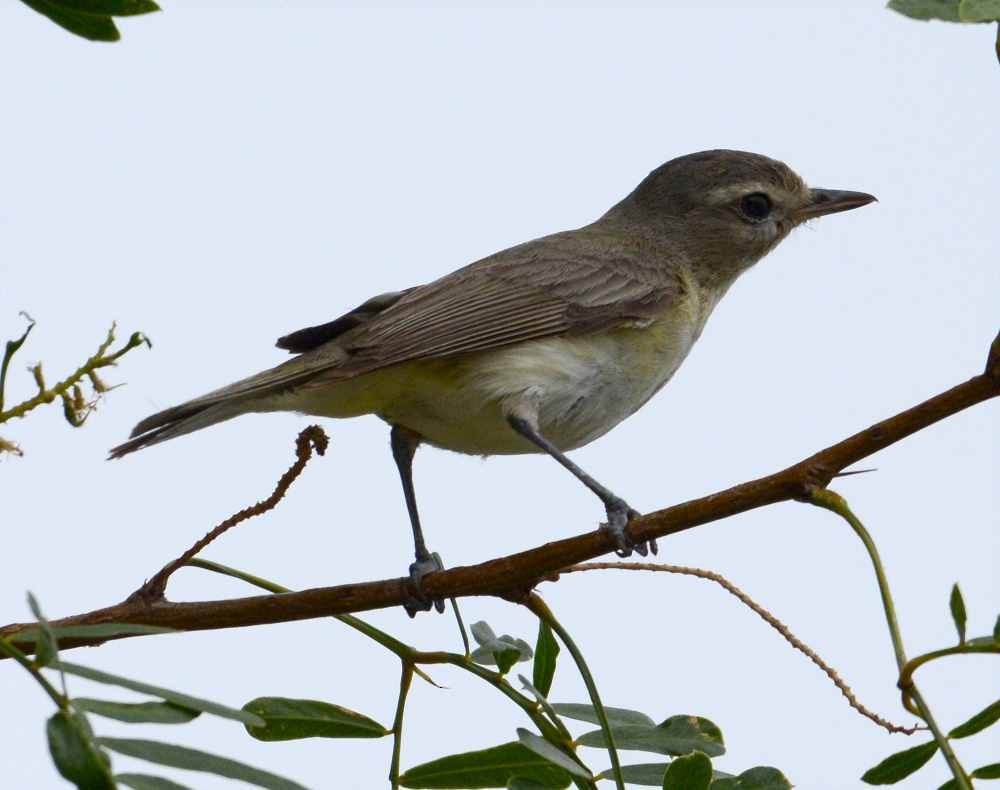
[{"x": 91, "y": 19}]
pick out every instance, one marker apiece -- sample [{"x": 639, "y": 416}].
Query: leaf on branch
[
  {"x": 196, "y": 760},
  {"x": 991, "y": 771},
  {"x": 76, "y": 755},
  {"x": 689, "y": 772},
  {"x": 648, "y": 774},
  {"x": 8, "y": 354},
  {"x": 676, "y": 736},
  {"x": 91, "y": 19},
  {"x": 288, "y": 719},
  {"x": 979, "y": 10},
  {"x": 546, "y": 653},
  {"x": 97, "y": 631},
  {"x": 178, "y": 698},
  {"x": 493, "y": 767},
  {"x": 552, "y": 753},
  {"x": 957, "y": 605},
  {"x": 900, "y": 765},
  {"x": 945, "y": 10},
  {"x": 978, "y": 723},
  {"x": 616, "y": 716},
  {"x": 137, "y": 712}
]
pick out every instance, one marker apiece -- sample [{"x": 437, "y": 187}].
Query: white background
[{"x": 227, "y": 174}]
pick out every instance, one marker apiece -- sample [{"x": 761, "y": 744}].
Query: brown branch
[
  {"x": 513, "y": 576},
  {"x": 761, "y": 612}
]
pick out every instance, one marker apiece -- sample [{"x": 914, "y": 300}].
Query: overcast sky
[{"x": 221, "y": 177}]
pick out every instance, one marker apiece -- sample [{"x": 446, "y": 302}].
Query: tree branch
[{"x": 514, "y": 576}]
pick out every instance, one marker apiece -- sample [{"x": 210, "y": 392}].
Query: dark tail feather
[{"x": 175, "y": 422}]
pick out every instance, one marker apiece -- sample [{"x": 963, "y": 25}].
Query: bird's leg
[
  {"x": 618, "y": 510},
  {"x": 404, "y": 445}
]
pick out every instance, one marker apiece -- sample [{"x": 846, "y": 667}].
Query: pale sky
[{"x": 225, "y": 175}]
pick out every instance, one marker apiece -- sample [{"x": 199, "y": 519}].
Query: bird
[{"x": 539, "y": 348}]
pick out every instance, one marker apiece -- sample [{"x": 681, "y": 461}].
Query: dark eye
[{"x": 756, "y": 206}]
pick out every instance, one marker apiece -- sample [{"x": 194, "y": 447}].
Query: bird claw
[
  {"x": 619, "y": 515},
  {"x": 416, "y": 599}
]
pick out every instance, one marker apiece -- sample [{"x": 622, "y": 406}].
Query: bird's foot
[
  {"x": 416, "y": 599},
  {"x": 619, "y": 514}
]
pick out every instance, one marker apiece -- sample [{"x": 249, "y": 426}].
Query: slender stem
[
  {"x": 832, "y": 501},
  {"x": 906, "y": 675},
  {"x": 461, "y": 625},
  {"x": 9, "y": 649},
  {"x": 397, "y": 724},
  {"x": 541, "y": 610}
]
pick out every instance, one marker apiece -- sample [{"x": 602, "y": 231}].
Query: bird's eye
[{"x": 756, "y": 206}]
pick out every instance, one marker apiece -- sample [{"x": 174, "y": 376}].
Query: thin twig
[
  {"x": 761, "y": 612},
  {"x": 309, "y": 439}
]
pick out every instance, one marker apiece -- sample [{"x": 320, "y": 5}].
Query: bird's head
[{"x": 727, "y": 209}]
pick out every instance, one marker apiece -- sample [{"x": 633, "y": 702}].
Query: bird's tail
[{"x": 177, "y": 421}]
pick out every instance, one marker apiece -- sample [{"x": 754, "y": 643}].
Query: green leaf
[
  {"x": 760, "y": 778},
  {"x": 549, "y": 752},
  {"x": 676, "y": 736},
  {"x": 287, "y": 719},
  {"x": 616, "y": 716},
  {"x": 195, "y": 760},
  {"x": 517, "y": 783},
  {"x": 991, "y": 771},
  {"x": 108, "y": 7},
  {"x": 47, "y": 650},
  {"x": 649, "y": 774},
  {"x": 691, "y": 772},
  {"x": 546, "y": 652},
  {"x": 900, "y": 765},
  {"x": 100, "y": 631},
  {"x": 946, "y": 10},
  {"x": 979, "y": 10},
  {"x": 957, "y": 605},
  {"x": 147, "y": 782},
  {"x": 951, "y": 784},
  {"x": 493, "y": 767},
  {"x": 92, "y": 28},
  {"x": 137, "y": 712},
  {"x": 184, "y": 700},
  {"x": 996, "y": 630},
  {"x": 77, "y": 757},
  {"x": 989, "y": 715}
]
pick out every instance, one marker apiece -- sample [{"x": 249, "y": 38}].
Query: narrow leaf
[
  {"x": 957, "y": 605},
  {"x": 184, "y": 700},
  {"x": 616, "y": 716},
  {"x": 690, "y": 772},
  {"x": 92, "y": 28},
  {"x": 549, "y": 752},
  {"x": 147, "y": 782},
  {"x": 100, "y": 631},
  {"x": 75, "y": 754},
  {"x": 648, "y": 774},
  {"x": 546, "y": 653},
  {"x": 493, "y": 767},
  {"x": 195, "y": 760},
  {"x": 982, "y": 720},
  {"x": 517, "y": 783},
  {"x": 9, "y": 351},
  {"x": 287, "y": 719},
  {"x": 951, "y": 784},
  {"x": 991, "y": 771},
  {"x": 137, "y": 712},
  {"x": 900, "y": 765},
  {"x": 47, "y": 650},
  {"x": 108, "y": 7}
]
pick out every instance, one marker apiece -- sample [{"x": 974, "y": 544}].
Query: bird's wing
[{"x": 570, "y": 283}]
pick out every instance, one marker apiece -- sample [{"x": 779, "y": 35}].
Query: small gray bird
[{"x": 540, "y": 348}]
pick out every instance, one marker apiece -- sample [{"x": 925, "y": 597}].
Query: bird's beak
[{"x": 830, "y": 201}]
